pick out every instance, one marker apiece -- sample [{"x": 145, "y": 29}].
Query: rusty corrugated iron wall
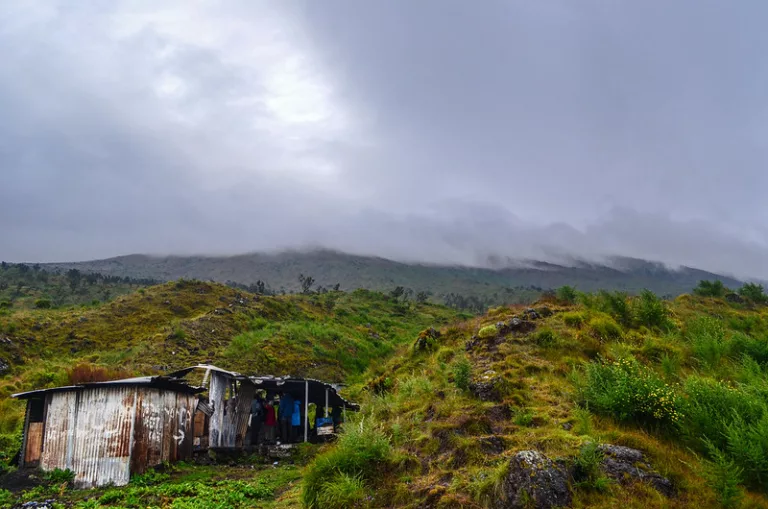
[
  {"x": 229, "y": 420},
  {"x": 106, "y": 434}
]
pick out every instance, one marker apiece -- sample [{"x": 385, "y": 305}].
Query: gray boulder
[
  {"x": 534, "y": 481},
  {"x": 625, "y": 465}
]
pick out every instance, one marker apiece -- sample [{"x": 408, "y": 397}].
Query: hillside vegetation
[
  {"x": 333, "y": 337},
  {"x": 454, "y": 409},
  {"x": 24, "y": 286},
  {"x": 468, "y": 288}
]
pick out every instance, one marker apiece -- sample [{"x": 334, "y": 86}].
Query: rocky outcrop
[
  {"x": 626, "y": 465},
  {"x": 489, "y": 387},
  {"x": 427, "y": 339},
  {"x": 534, "y": 481}
]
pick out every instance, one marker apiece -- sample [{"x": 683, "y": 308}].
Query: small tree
[
  {"x": 397, "y": 292},
  {"x": 567, "y": 294},
  {"x": 306, "y": 283},
  {"x": 422, "y": 297},
  {"x": 710, "y": 288},
  {"x": 753, "y": 292}
]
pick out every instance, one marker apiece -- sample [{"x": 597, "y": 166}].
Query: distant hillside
[{"x": 508, "y": 285}]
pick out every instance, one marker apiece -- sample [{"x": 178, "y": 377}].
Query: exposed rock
[
  {"x": 531, "y": 314},
  {"x": 544, "y": 311},
  {"x": 625, "y": 465},
  {"x": 5, "y": 366},
  {"x": 567, "y": 426},
  {"x": 734, "y": 298},
  {"x": 493, "y": 444},
  {"x": 488, "y": 387},
  {"x": 534, "y": 481}
]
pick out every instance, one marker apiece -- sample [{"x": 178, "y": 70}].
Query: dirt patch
[{"x": 22, "y": 479}]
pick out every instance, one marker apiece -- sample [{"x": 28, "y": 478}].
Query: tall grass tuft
[{"x": 341, "y": 477}]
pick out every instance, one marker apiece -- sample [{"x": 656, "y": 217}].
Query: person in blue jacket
[
  {"x": 296, "y": 420},
  {"x": 284, "y": 412}
]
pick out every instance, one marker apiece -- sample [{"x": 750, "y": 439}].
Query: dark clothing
[
  {"x": 286, "y": 407},
  {"x": 286, "y": 430},
  {"x": 255, "y": 430}
]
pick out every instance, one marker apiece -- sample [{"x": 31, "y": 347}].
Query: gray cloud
[{"x": 430, "y": 131}]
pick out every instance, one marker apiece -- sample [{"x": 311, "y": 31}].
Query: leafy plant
[
  {"x": 462, "y": 373},
  {"x": 586, "y": 468},
  {"x": 567, "y": 294},
  {"x": 724, "y": 477},
  {"x": 487, "y": 332},
  {"x": 710, "y": 288}
]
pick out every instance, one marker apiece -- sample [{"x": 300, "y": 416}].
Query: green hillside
[
  {"x": 591, "y": 400},
  {"x": 467, "y": 288}
]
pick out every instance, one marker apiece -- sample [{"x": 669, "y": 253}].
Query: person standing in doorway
[
  {"x": 296, "y": 420},
  {"x": 257, "y": 418},
  {"x": 284, "y": 412},
  {"x": 270, "y": 421}
]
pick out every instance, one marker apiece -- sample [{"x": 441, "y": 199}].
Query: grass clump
[
  {"x": 462, "y": 373},
  {"x": 605, "y": 328},
  {"x": 574, "y": 319},
  {"x": 342, "y": 476},
  {"x": 586, "y": 469},
  {"x": 629, "y": 391},
  {"x": 487, "y": 332}
]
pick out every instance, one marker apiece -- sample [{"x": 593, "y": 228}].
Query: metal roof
[
  {"x": 291, "y": 384},
  {"x": 168, "y": 382}
]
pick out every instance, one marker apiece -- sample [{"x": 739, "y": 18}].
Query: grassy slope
[
  {"x": 331, "y": 336},
  {"x": 446, "y": 451},
  {"x": 328, "y": 268},
  {"x": 449, "y": 447}
]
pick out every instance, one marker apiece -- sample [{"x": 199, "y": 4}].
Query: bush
[
  {"x": 724, "y": 477},
  {"x": 43, "y": 304},
  {"x": 707, "y": 338},
  {"x": 59, "y": 476},
  {"x": 710, "y": 289},
  {"x": 586, "y": 468},
  {"x": 344, "y": 472},
  {"x": 566, "y": 294},
  {"x": 709, "y": 406},
  {"x": 573, "y": 319},
  {"x": 462, "y": 373},
  {"x": 630, "y": 391},
  {"x": 651, "y": 311},
  {"x": 617, "y": 305},
  {"x": 741, "y": 344},
  {"x": 487, "y": 332},
  {"x": 753, "y": 292},
  {"x": 545, "y": 338},
  {"x": 604, "y": 328}
]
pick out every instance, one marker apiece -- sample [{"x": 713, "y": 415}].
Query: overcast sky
[{"x": 432, "y": 130}]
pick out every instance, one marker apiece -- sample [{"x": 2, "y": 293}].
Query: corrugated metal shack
[
  {"x": 222, "y": 422},
  {"x": 106, "y": 431}
]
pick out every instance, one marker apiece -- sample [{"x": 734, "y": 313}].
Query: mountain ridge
[{"x": 521, "y": 283}]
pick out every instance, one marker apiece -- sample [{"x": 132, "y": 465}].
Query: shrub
[
  {"x": 742, "y": 344},
  {"x": 523, "y": 417},
  {"x": 586, "y": 468},
  {"x": 617, "y": 305},
  {"x": 753, "y": 292},
  {"x": 604, "y": 328},
  {"x": 545, "y": 338},
  {"x": 724, "y": 477},
  {"x": 573, "y": 319},
  {"x": 583, "y": 424},
  {"x": 707, "y": 338},
  {"x": 462, "y": 373},
  {"x": 6, "y": 304},
  {"x": 630, "y": 391},
  {"x": 709, "y": 406},
  {"x": 6, "y": 498},
  {"x": 651, "y": 311},
  {"x": 43, "y": 303},
  {"x": 59, "y": 476},
  {"x": 747, "y": 446},
  {"x": 489, "y": 331},
  {"x": 346, "y": 470},
  {"x": 567, "y": 294},
  {"x": 710, "y": 288}
]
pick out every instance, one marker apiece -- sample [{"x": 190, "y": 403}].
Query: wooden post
[
  {"x": 306, "y": 410},
  {"x": 326, "y": 402}
]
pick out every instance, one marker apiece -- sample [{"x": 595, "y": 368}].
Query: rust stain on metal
[{"x": 105, "y": 434}]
